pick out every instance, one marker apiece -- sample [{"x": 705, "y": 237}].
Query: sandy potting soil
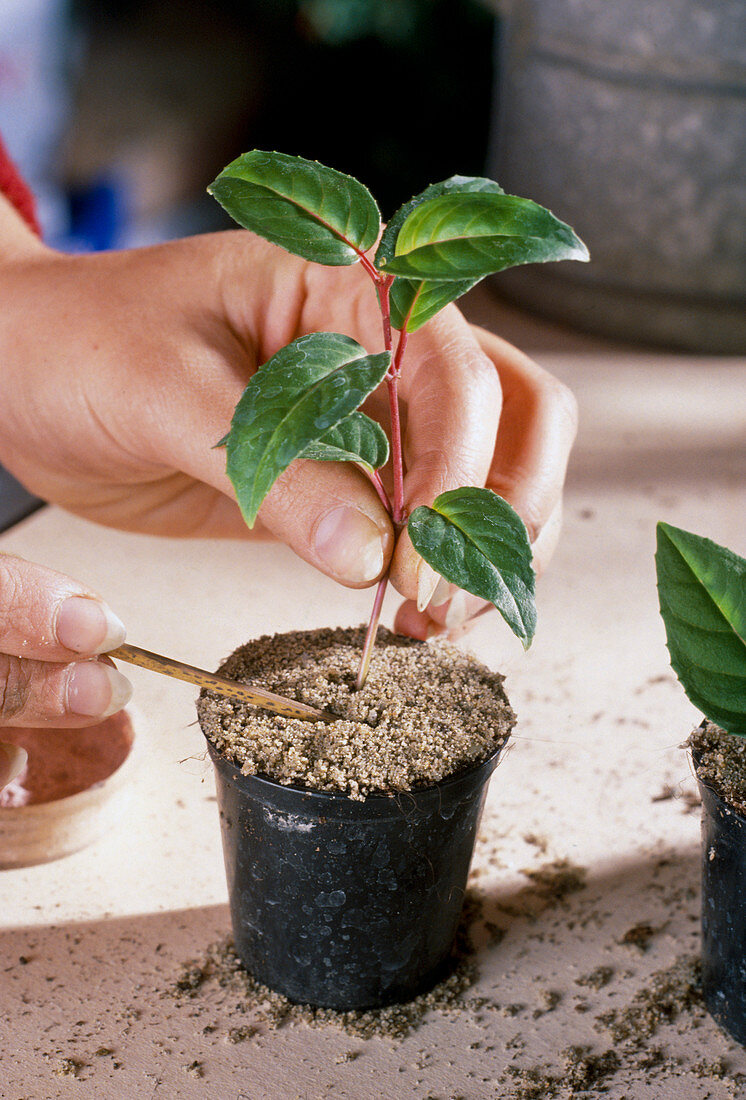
[
  {"x": 721, "y": 763},
  {"x": 426, "y": 711}
]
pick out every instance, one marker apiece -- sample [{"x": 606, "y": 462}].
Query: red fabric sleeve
[{"x": 16, "y": 190}]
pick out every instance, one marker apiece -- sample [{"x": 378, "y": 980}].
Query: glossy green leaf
[
  {"x": 474, "y": 539},
  {"x": 457, "y": 237},
  {"x": 357, "y": 438},
  {"x": 291, "y": 402},
  {"x": 306, "y": 208},
  {"x": 455, "y": 185},
  {"x": 702, "y": 595},
  {"x": 414, "y": 302}
]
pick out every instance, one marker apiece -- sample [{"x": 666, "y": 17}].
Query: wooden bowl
[{"x": 74, "y": 789}]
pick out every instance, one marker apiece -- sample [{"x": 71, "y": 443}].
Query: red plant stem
[
  {"x": 397, "y": 462},
  {"x": 400, "y": 349},
  {"x": 370, "y": 634},
  {"x": 369, "y": 268},
  {"x": 383, "y": 286},
  {"x": 379, "y": 488},
  {"x": 397, "y": 458}
]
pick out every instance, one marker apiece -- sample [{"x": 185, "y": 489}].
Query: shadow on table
[
  {"x": 634, "y": 905},
  {"x": 102, "y": 999}
]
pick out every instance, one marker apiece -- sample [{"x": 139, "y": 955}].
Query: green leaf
[
  {"x": 414, "y": 302},
  {"x": 290, "y": 403},
  {"x": 357, "y": 438},
  {"x": 457, "y": 237},
  {"x": 474, "y": 539},
  {"x": 306, "y": 208},
  {"x": 702, "y": 595},
  {"x": 455, "y": 185}
]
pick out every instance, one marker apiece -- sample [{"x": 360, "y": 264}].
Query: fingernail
[
  {"x": 13, "y": 760},
  {"x": 442, "y": 593},
  {"x": 350, "y": 545},
  {"x": 456, "y": 613},
  {"x": 96, "y": 690},
  {"x": 88, "y": 626},
  {"x": 427, "y": 583}
]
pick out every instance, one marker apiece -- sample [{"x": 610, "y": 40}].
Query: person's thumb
[
  {"x": 331, "y": 516},
  {"x": 12, "y": 762}
]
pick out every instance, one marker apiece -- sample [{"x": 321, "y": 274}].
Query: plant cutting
[
  {"x": 702, "y": 593},
  {"x": 305, "y": 403}
]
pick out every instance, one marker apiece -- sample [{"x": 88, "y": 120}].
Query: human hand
[
  {"x": 51, "y": 631},
  {"x": 134, "y": 361}
]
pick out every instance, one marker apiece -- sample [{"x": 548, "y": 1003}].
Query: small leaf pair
[
  {"x": 302, "y": 404},
  {"x": 438, "y": 245}
]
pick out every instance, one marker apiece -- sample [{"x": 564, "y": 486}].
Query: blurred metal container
[{"x": 628, "y": 120}]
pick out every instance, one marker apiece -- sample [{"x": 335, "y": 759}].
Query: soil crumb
[
  {"x": 669, "y": 993},
  {"x": 597, "y": 979},
  {"x": 555, "y": 880},
  {"x": 426, "y": 711},
  {"x": 640, "y": 936},
  {"x": 69, "y": 1067},
  {"x": 582, "y": 1071},
  {"x": 721, "y": 763}
]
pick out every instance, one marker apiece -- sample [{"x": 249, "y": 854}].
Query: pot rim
[
  {"x": 719, "y": 801},
  {"x": 341, "y": 798}
]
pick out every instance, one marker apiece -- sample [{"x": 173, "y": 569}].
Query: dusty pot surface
[
  {"x": 716, "y": 762},
  {"x": 350, "y": 898},
  {"x": 341, "y": 902}
]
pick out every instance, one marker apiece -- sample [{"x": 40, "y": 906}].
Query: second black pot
[
  {"x": 343, "y": 903},
  {"x": 723, "y": 912}
]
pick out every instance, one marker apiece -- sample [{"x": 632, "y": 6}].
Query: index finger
[
  {"x": 453, "y": 404},
  {"x": 47, "y": 616}
]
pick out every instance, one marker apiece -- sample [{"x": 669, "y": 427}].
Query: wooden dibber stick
[{"x": 221, "y": 685}]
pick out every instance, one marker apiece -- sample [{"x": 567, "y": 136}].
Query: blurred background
[{"x": 628, "y": 120}]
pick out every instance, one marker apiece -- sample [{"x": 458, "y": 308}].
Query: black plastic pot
[
  {"x": 343, "y": 903},
  {"x": 723, "y": 912}
]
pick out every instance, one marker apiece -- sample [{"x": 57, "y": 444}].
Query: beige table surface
[{"x": 601, "y": 720}]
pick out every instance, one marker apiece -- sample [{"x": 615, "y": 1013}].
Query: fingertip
[
  {"x": 413, "y": 623},
  {"x": 96, "y": 689}
]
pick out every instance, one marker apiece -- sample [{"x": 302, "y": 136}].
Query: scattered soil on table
[
  {"x": 640, "y": 936},
  {"x": 721, "y": 763},
  {"x": 582, "y": 1071},
  {"x": 426, "y": 711},
  {"x": 669, "y": 993},
  {"x": 220, "y": 965}
]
